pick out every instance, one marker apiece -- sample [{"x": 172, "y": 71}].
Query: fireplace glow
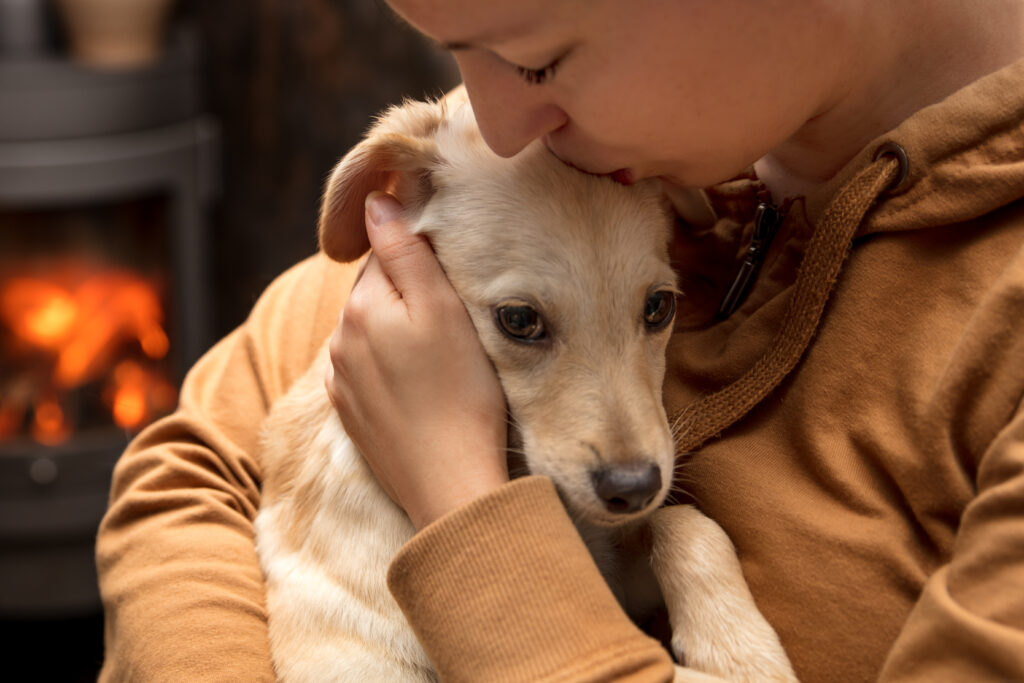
[
  {"x": 87, "y": 327},
  {"x": 49, "y": 426}
]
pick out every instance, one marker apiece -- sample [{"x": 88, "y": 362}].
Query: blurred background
[{"x": 161, "y": 161}]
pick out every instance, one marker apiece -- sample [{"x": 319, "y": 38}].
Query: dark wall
[{"x": 294, "y": 83}]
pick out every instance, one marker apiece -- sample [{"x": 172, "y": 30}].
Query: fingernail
[{"x": 382, "y": 207}]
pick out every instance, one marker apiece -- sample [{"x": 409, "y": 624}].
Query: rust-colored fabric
[
  {"x": 876, "y": 495},
  {"x": 850, "y": 490},
  {"x": 819, "y": 268}
]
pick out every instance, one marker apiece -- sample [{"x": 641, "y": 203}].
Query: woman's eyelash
[{"x": 537, "y": 76}]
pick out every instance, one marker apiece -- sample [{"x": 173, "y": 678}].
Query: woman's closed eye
[
  {"x": 543, "y": 74},
  {"x": 537, "y": 76}
]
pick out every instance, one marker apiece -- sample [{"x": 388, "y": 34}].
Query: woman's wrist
[{"x": 436, "y": 502}]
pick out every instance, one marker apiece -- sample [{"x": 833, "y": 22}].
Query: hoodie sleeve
[
  {"x": 180, "y": 580},
  {"x": 503, "y": 589},
  {"x": 968, "y": 624}
]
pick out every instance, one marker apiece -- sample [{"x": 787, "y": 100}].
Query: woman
[{"x": 869, "y": 469}]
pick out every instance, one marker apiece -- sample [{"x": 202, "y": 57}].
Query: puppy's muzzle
[{"x": 625, "y": 489}]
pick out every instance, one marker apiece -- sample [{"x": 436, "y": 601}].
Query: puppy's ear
[{"x": 397, "y": 156}]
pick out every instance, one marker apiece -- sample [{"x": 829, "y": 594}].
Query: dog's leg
[{"x": 716, "y": 627}]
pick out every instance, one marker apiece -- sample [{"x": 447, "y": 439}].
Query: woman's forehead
[{"x": 470, "y": 23}]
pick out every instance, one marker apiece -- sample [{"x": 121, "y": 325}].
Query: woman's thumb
[
  {"x": 404, "y": 257},
  {"x": 381, "y": 208}
]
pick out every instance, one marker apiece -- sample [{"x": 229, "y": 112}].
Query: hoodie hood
[{"x": 966, "y": 159}]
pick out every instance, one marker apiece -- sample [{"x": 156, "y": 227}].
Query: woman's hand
[{"x": 410, "y": 379}]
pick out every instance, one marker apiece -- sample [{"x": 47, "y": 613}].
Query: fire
[
  {"x": 49, "y": 426},
  {"x": 137, "y": 393},
  {"x": 83, "y": 318},
  {"x": 39, "y": 312}
]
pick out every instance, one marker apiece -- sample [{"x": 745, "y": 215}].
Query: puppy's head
[{"x": 566, "y": 278}]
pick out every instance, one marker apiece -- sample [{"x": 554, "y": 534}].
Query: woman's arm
[
  {"x": 179, "y": 576},
  {"x": 968, "y": 624}
]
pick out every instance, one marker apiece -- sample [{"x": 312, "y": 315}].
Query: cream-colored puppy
[{"x": 566, "y": 278}]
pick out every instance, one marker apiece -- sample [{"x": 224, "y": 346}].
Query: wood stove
[{"x": 105, "y": 179}]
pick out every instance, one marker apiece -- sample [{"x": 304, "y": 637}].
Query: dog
[{"x": 567, "y": 280}]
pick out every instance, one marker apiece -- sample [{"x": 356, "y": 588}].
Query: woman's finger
[{"x": 406, "y": 259}]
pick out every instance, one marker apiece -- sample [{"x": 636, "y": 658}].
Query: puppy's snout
[{"x": 628, "y": 488}]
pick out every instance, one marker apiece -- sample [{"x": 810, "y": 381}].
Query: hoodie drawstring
[{"x": 826, "y": 251}]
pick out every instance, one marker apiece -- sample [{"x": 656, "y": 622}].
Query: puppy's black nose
[{"x": 626, "y": 488}]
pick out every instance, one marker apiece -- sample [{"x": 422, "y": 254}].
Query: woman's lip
[{"x": 623, "y": 176}]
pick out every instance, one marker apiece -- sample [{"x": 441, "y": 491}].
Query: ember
[{"x": 78, "y": 325}]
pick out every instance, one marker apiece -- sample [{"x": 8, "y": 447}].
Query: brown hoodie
[{"x": 870, "y": 473}]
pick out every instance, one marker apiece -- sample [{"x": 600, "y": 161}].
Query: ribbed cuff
[{"x": 504, "y": 589}]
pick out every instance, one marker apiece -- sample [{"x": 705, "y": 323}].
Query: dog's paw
[
  {"x": 737, "y": 661},
  {"x": 716, "y": 626}
]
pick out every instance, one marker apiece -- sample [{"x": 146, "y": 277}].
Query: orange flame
[
  {"x": 49, "y": 426},
  {"x": 138, "y": 394},
  {"x": 83, "y": 318},
  {"x": 39, "y": 312}
]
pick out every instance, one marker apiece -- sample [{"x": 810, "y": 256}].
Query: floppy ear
[{"x": 395, "y": 156}]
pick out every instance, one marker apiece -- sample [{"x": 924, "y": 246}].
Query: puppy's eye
[
  {"x": 521, "y": 322},
  {"x": 659, "y": 309}
]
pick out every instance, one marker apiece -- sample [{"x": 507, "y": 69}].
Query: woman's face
[{"x": 692, "y": 91}]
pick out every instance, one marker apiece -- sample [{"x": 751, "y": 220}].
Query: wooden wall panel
[{"x": 294, "y": 84}]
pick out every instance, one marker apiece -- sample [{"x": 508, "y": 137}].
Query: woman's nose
[{"x": 510, "y": 112}]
